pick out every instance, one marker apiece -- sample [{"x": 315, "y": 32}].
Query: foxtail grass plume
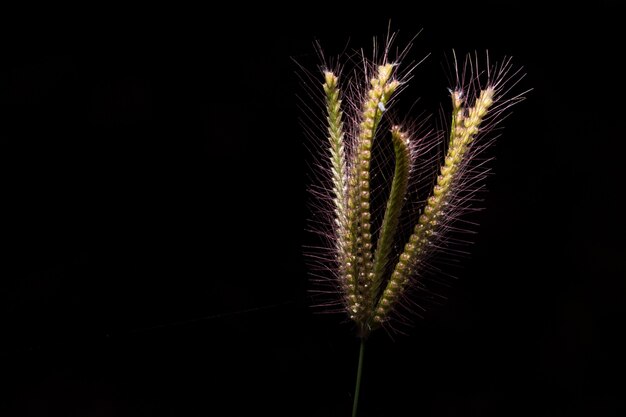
[{"x": 372, "y": 269}]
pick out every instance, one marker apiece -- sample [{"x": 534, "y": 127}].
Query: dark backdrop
[{"x": 153, "y": 187}]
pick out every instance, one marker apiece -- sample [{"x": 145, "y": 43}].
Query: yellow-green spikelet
[{"x": 358, "y": 204}]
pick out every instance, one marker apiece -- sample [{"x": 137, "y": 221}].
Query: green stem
[
  {"x": 359, "y": 372},
  {"x": 394, "y": 206}
]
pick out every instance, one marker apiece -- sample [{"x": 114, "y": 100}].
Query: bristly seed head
[{"x": 374, "y": 276}]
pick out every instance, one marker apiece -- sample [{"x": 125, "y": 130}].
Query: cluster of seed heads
[{"x": 371, "y": 278}]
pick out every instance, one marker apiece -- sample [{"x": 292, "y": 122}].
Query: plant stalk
[{"x": 359, "y": 373}]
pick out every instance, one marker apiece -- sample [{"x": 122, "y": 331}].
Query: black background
[{"x": 153, "y": 187}]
